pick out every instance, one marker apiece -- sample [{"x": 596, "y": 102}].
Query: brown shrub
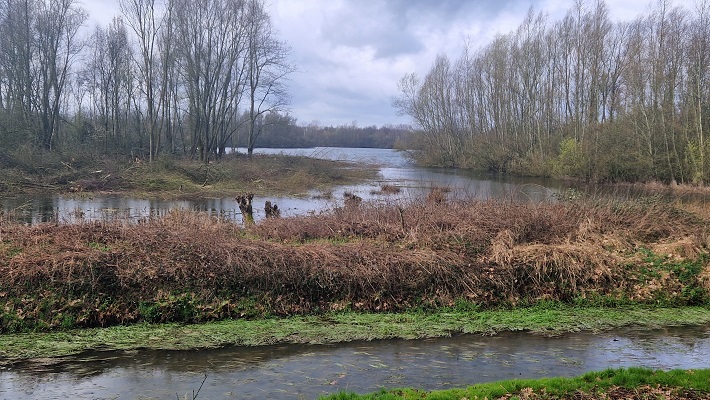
[
  {"x": 437, "y": 195},
  {"x": 371, "y": 257}
]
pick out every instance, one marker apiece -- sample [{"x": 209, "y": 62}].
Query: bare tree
[
  {"x": 211, "y": 42},
  {"x": 529, "y": 71},
  {"x": 108, "y": 73},
  {"x": 16, "y": 58},
  {"x": 266, "y": 66},
  {"x": 57, "y": 26},
  {"x": 697, "y": 95},
  {"x": 146, "y": 19}
]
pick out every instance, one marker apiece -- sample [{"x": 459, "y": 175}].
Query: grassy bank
[
  {"x": 176, "y": 178},
  {"x": 612, "y": 384},
  {"x": 546, "y": 319}
]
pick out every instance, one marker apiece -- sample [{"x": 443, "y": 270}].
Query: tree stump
[
  {"x": 271, "y": 211},
  {"x": 245, "y": 207}
]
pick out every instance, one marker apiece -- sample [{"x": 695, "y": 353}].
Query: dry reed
[{"x": 370, "y": 257}]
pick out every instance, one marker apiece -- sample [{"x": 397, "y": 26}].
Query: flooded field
[{"x": 394, "y": 169}]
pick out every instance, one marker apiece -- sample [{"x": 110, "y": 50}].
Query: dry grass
[
  {"x": 386, "y": 189},
  {"x": 370, "y": 257},
  {"x": 169, "y": 177}
]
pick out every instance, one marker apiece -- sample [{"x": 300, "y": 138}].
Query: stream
[{"x": 309, "y": 371}]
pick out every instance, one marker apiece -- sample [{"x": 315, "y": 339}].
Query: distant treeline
[
  {"x": 282, "y": 131},
  {"x": 583, "y": 97}
]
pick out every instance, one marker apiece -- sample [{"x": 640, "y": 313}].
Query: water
[
  {"x": 297, "y": 371},
  {"x": 308, "y": 371},
  {"x": 394, "y": 169}
]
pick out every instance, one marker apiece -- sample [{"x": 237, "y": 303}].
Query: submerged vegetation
[{"x": 190, "y": 267}]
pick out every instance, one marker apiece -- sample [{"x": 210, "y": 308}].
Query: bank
[
  {"x": 175, "y": 178},
  {"x": 631, "y": 383},
  {"x": 362, "y": 272},
  {"x": 548, "y": 319}
]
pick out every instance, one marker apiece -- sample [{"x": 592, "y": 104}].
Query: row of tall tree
[
  {"x": 166, "y": 76},
  {"x": 583, "y": 96}
]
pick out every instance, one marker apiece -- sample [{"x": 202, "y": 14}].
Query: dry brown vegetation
[
  {"x": 615, "y": 393},
  {"x": 192, "y": 267},
  {"x": 179, "y": 178},
  {"x": 387, "y": 188}
]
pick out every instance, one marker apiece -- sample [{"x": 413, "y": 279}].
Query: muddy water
[{"x": 306, "y": 372}]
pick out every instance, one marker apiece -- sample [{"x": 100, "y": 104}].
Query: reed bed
[{"x": 191, "y": 267}]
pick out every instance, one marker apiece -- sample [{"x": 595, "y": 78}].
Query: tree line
[
  {"x": 283, "y": 131},
  {"x": 164, "y": 77},
  {"x": 583, "y": 96}
]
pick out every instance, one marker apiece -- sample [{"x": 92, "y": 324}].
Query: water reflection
[
  {"x": 298, "y": 371},
  {"x": 395, "y": 169}
]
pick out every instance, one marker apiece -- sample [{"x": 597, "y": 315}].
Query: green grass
[
  {"x": 549, "y": 319},
  {"x": 644, "y": 380}
]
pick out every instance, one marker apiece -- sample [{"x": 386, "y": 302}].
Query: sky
[{"x": 350, "y": 54}]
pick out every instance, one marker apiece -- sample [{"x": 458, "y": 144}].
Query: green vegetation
[
  {"x": 333, "y": 327},
  {"x": 632, "y": 383}
]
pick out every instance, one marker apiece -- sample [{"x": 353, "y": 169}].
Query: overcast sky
[{"x": 350, "y": 54}]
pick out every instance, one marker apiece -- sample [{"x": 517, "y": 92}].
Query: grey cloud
[
  {"x": 395, "y": 27},
  {"x": 371, "y": 26},
  {"x": 445, "y": 11},
  {"x": 405, "y": 34}
]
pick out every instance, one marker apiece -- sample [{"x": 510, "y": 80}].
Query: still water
[
  {"x": 394, "y": 169},
  {"x": 309, "y": 371}
]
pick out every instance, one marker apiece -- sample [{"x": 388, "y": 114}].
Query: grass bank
[
  {"x": 176, "y": 178},
  {"x": 611, "y": 384},
  {"x": 546, "y": 319}
]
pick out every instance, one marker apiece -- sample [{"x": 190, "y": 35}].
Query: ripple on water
[{"x": 307, "y": 371}]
